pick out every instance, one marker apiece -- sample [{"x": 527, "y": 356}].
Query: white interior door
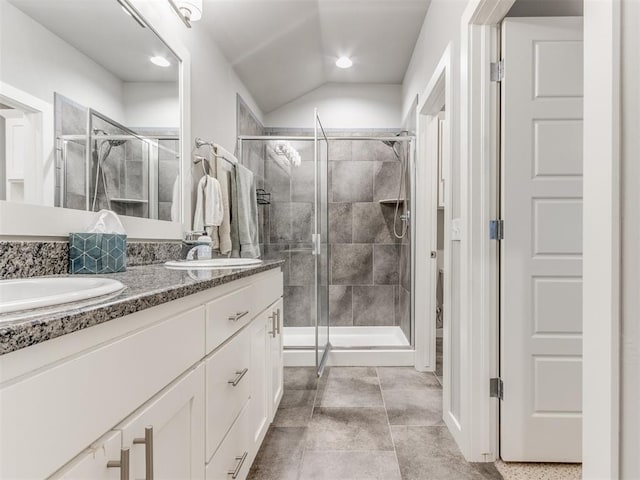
[{"x": 541, "y": 254}]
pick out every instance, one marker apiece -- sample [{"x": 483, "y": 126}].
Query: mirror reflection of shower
[
  {"x": 101, "y": 151},
  {"x": 395, "y": 146},
  {"x": 101, "y": 163}
]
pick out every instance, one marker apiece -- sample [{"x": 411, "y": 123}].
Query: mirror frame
[{"x": 22, "y": 221}]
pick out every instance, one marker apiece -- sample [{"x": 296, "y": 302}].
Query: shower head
[
  {"x": 393, "y": 143},
  {"x": 112, "y": 142}
]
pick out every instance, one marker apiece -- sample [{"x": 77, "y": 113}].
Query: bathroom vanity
[{"x": 179, "y": 376}]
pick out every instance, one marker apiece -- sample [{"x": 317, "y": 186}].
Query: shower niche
[{"x": 101, "y": 164}]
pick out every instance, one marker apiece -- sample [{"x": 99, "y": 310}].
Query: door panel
[
  {"x": 276, "y": 362},
  {"x": 177, "y": 420},
  {"x": 541, "y": 254}
]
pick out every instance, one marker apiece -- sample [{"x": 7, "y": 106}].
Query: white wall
[
  {"x": 342, "y": 105},
  {"x": 38, "y": 62},
  {"x": 630, "y": 153},
  {"x": 441, "y": 26},
  {"x": 151, "y": 104},
  {"x": 441, "y": 29},
  {"x": 214, "y": 84}
]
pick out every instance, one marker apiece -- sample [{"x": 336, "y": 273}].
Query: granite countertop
[{"x": 146, "y": 286}]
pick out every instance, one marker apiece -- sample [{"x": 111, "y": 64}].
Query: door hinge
[
  {"x": 496, "y": 229},
  {"x": 497, "y": 71},
  {"x": 496, "y": 388}
]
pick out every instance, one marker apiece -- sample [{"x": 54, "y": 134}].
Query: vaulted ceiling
[{"x": 282, "y": 49}]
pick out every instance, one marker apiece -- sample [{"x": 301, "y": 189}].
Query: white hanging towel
[{"x": 209, "y": 206}]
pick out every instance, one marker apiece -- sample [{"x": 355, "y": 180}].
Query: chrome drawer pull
[
  {"x": 239, "y": 374},
  {"x": 122, "y": 464},
  {"x": 148, "y": 451},
  {"x": 274, "y": 329},
  {"x": 238, "y": 316},
  {"x": 236, "y": 472}
]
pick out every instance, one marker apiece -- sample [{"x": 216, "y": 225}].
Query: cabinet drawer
[
  {"x": 268, "y": 289},
  {"x": 233, "y": 458},
  {"x": 228, "y": 387},
  {"x": 226, "y": 315}
]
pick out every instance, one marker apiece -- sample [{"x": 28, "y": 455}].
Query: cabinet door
[
  {"x": 276, "y": 354},
  {"x": 167, "y": 435},
  {"x": 92, "y": 463},
  {"x": 260, "y": 405}
]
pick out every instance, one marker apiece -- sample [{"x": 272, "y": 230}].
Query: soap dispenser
[{"x": 202, "y": 251}]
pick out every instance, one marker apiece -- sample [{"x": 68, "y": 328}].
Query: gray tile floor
[{"x": 362, "y": 423}]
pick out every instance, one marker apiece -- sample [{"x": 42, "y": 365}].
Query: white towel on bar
[
  {"x": 246, "y": 213},
  {"x": 209, "y": 204},
  {"x": 220, "y": 151},
  {"x": 222, "y": 235}
]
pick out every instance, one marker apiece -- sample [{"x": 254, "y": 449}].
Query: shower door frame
[{"x": 321, "y": 243}]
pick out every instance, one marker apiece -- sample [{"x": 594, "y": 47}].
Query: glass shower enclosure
[{"x": 336, "y": 202}]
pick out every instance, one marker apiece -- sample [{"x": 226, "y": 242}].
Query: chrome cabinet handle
[
  {"x": 278, "y": 321},
  {"x": 234, "y": 473},
  {"x": 148, "y": 451},
  {"x": 122, "y": 464},
  {"x": 234, "y": 382},
  {"x": 273, "y": 331},
  {"x": 238, "y": 316}
]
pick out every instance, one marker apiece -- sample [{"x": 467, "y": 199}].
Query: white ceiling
[
  {"x": 282, "y": 49},
  {"x": 101, "y": 30}
]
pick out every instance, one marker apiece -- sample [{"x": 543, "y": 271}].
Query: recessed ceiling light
[
  {"x": 344, "y": 62},
  {"x": 160, "y": 61}
]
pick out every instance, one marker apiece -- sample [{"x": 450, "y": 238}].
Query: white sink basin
[
  {"x": 28, "y": 293},
  {"x": 214, "y": 263}
]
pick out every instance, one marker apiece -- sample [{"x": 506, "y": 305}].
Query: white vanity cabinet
[
  {"x": 171, "y": 388},
  {"x": 166, "y": 436}
]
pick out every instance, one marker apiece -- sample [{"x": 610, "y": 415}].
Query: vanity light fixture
[
  {"x": 132, "y": 12},
  {"x": 344, "y": 62},
  {"x": 160, "y": 61},
  {"x": 188, "y": 10}
]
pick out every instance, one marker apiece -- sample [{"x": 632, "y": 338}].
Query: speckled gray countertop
[{"x": 146, "y": 286}]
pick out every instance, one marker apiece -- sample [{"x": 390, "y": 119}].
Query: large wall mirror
[{"x": 89, "y": 109}]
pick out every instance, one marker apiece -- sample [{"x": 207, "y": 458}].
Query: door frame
[
  {"x": 601, "y": 231},
  {"x": 601, "y": 248},
  {"x": 479, "y": 202},
  {"x": 437, "y": 94}
]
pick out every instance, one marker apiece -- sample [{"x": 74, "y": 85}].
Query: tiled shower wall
[
  {"x": 368, "y": 280},
  {"x": 369, "y": 267}
]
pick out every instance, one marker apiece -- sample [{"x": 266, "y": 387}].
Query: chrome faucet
[{"x": 200, "y": 244}]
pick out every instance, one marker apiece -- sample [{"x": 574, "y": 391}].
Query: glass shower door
[{"x": 321, "y": 244}]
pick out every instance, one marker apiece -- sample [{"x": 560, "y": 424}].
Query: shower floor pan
[{"x": 347, "y": 337}]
